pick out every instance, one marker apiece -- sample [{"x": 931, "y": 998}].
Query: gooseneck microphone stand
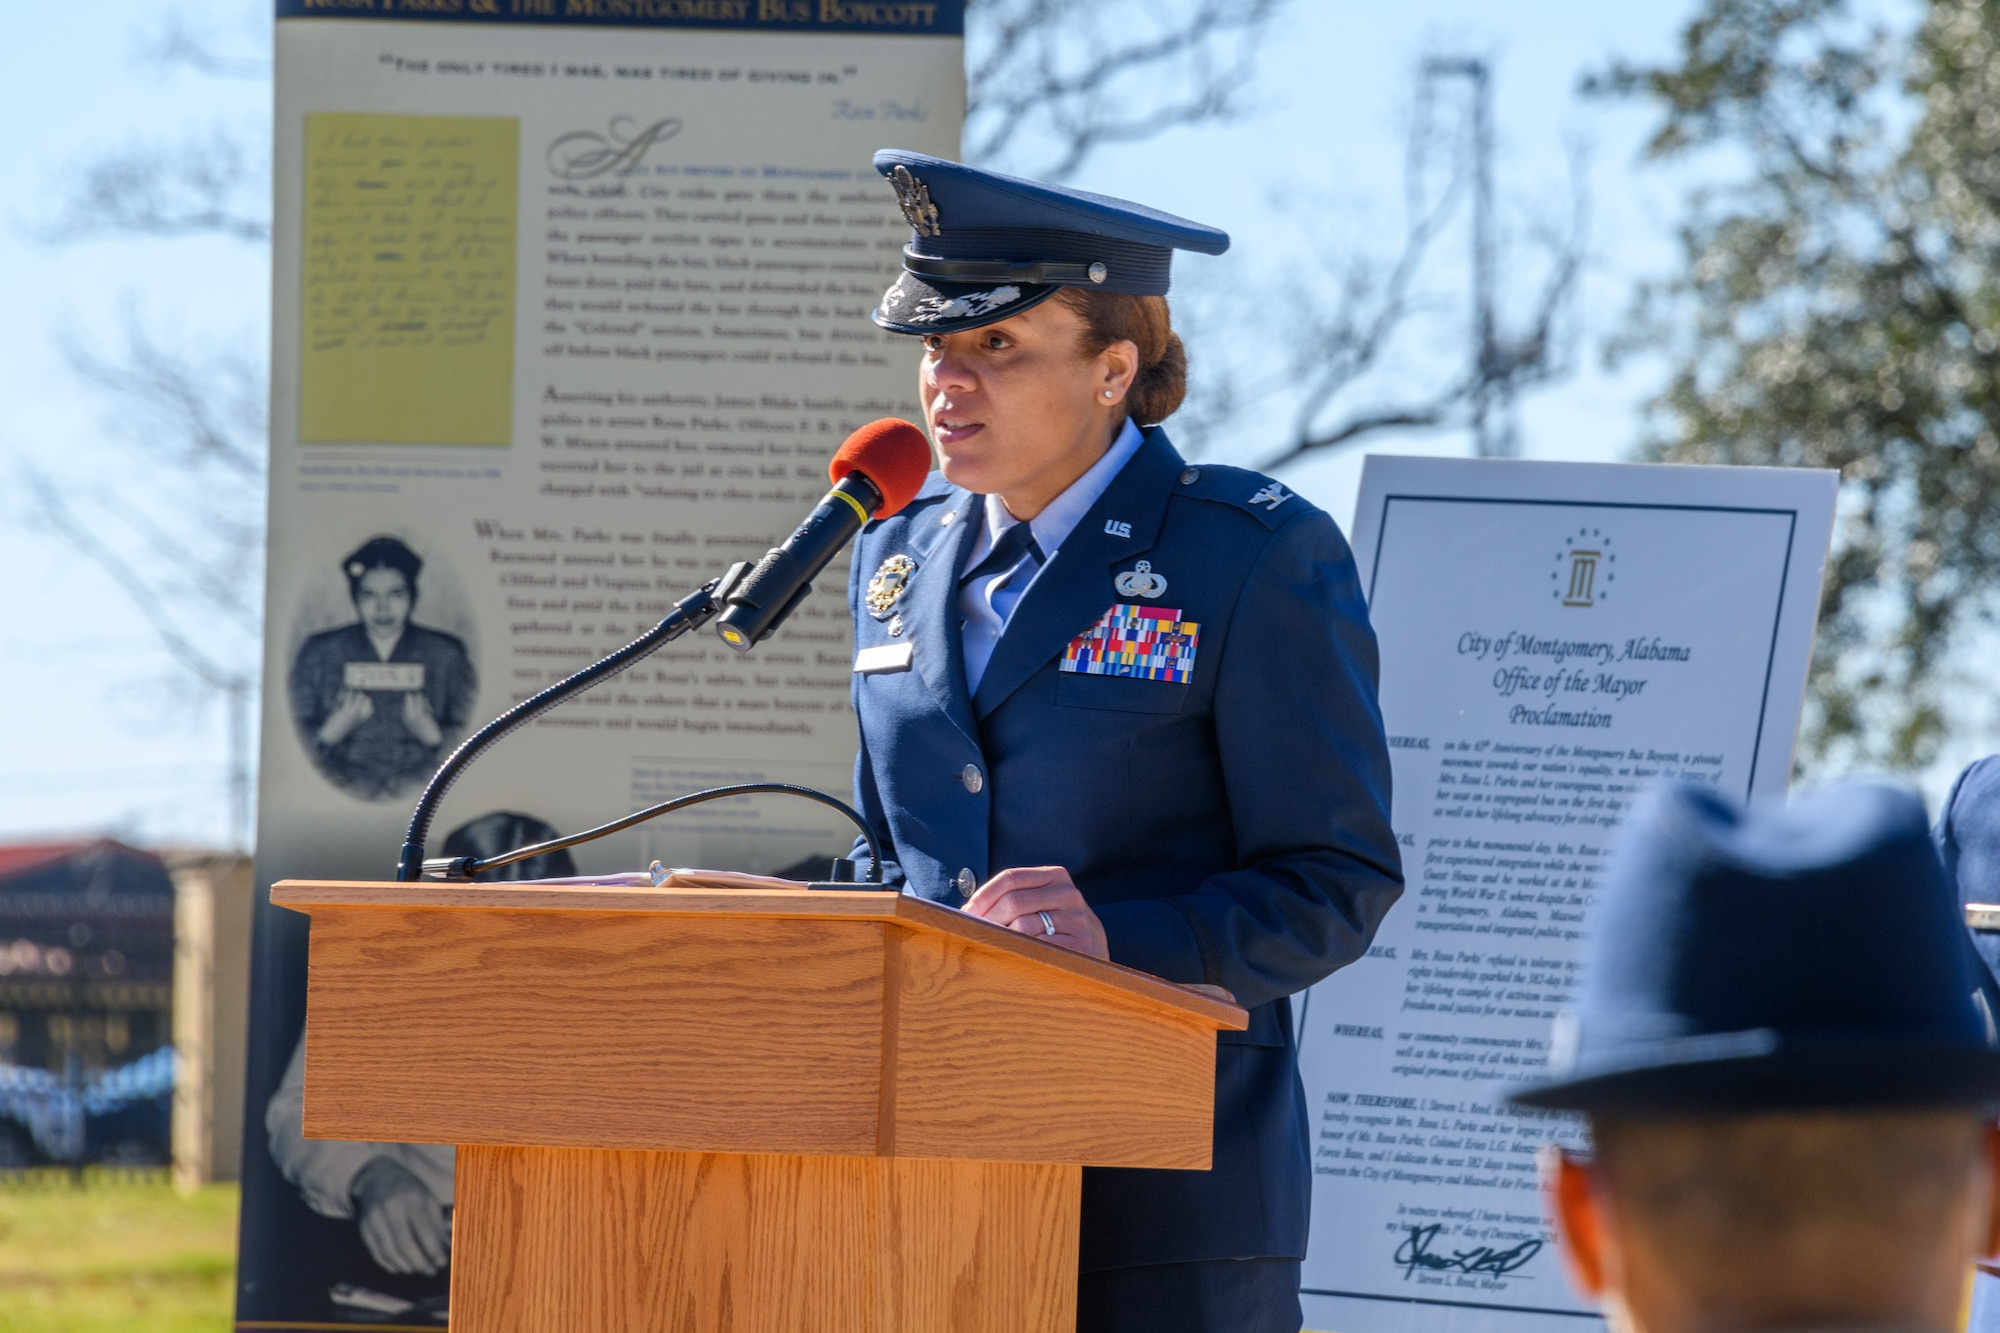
[{"x": 690, "y": 612}]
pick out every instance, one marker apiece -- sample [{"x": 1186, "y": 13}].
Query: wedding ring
[{"x": 1048, "y": 923}]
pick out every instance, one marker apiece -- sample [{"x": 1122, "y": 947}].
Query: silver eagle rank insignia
[
  {"x": 886, "y": 588},
  {"x": 1272, "y": 496}
]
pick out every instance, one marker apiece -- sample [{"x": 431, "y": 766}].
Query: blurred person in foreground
[
  {"x": 1968, "y": 839},
  {"x": 1788, "y": 1081}
]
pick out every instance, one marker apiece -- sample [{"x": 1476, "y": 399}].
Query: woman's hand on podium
[{"x": 1032, "y": 899}]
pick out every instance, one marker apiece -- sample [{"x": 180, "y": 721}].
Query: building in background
[
  {"x": 111, "y": 958},
  {"x": 211, "y": 1008}
]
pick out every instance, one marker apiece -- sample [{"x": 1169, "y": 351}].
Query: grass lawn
[{"x": 116, "y": 1256}]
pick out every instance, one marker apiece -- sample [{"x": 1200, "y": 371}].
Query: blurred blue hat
[
  {"x": 1779, "y": 957},
  {"x": 986, "y": 246}
]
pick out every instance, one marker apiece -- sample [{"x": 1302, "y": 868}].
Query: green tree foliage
[{"x": 1838, "y": 306}]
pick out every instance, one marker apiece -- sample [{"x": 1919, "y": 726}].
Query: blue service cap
[
  {"x": 1772, "y": 957},
  {"x": 986, "y": 246}
]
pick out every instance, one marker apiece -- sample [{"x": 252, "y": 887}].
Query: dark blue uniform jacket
[{"x": 1232, "y": 830}]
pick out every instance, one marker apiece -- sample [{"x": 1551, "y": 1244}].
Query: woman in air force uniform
[{"x": 1121, "y": 701}]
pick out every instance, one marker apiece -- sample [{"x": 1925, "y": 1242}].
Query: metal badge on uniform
[
  {"x": 1141, "y": 581},
  {"x": 884, "y": 658},
  {"x": 1139, "y": 642},
  {"x": 914, "y": 197},
  {"x": 886, "y": 588},
  {"x": 1272, "y": 496}
]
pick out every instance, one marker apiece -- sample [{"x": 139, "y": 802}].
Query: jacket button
[
  {"x": 1189, "y": 476},
  {"x": 972, "y": 778},
  {"x": 968, "y": 883}
]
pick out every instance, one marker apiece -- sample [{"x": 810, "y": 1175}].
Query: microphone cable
[
  {"x": 688, "y": 613},
  {"x": 465, "y": 867}
]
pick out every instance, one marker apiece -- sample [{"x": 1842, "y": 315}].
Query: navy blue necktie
[{"x": 1015, "y": 542}]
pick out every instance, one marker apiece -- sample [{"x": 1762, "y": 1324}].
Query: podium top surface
[{"x": 799, "y": 904}]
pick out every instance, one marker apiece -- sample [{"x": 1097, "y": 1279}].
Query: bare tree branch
[
  {"x": 1349, "y": 338},
  {"x": 202, "y": 186},
  {"x": 1355, "y": 336},
  {"x": 179, "y": 42},
  {"x": 1087, "y": 76},
  {"x": 222, "y": 588},
  {"x": 187, "y": 541},
  {"x": 214, "y": 406},
  {"x": 56, "y": 511}
]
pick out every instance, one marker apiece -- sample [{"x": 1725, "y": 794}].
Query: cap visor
[
  {"x": 923, "y": 305},
  {"x": 1814, "y": 1078}
]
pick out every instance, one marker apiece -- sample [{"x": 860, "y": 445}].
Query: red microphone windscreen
[{"x": 891, "y": 453}]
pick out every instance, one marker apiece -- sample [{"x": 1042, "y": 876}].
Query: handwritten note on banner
[
  {"x": 1555, "y": 638},
  {"x": 410, "y": 225}
]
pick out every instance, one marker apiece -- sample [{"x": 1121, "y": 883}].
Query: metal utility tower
[{"x": 1492, "y": 397}]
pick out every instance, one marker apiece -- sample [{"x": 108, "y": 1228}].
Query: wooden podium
[{"x": 746, "y": 1111}]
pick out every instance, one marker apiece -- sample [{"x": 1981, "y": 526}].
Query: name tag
[
  {"x": 382, "y": 675},
  {"x": 884, "y": 657}
]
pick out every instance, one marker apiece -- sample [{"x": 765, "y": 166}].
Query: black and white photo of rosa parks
[{"x": 380, "y": 700}]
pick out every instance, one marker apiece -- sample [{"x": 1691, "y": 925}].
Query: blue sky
[{"x": 104, "y": 735}]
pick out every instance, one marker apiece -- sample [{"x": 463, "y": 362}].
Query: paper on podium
[{"x": 673, "y": 879}]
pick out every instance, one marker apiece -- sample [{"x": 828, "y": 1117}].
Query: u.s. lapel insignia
[
  {"x": 915, "y": 198},
  {"x": 1272, "y": 496},
  {"x": 892, "y": 579},
  {"x": 1140, "y": 581}
]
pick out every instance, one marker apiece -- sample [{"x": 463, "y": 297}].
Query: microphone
[{"x": 875, "y": 473}]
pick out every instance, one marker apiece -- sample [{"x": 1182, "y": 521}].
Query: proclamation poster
[
  {"x": 570, "y": 311},
  {"x": 1554, "y": 638}
]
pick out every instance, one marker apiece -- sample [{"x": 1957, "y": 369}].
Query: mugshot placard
[
  {"x": 386, "y": 677},
  {"x": 571, "y": 312}
]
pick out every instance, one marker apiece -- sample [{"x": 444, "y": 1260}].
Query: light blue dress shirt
[{"x": 985, "y": 604}]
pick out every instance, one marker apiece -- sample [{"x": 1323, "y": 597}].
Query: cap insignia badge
[
  {"x": 1140, "y": 581},
  {"x": 915, "y": 198},
  {"x": 892, "y": 579}
]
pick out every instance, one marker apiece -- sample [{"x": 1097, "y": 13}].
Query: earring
[{"x": 1110, "y": 393}]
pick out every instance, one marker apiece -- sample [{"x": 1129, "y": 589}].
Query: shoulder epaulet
[{"x": 1273, "y": 502}]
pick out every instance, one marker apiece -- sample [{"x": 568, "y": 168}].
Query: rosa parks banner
[
  {"x": 1554, "y": 638},
  {"x": 571, "y": 310}
]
